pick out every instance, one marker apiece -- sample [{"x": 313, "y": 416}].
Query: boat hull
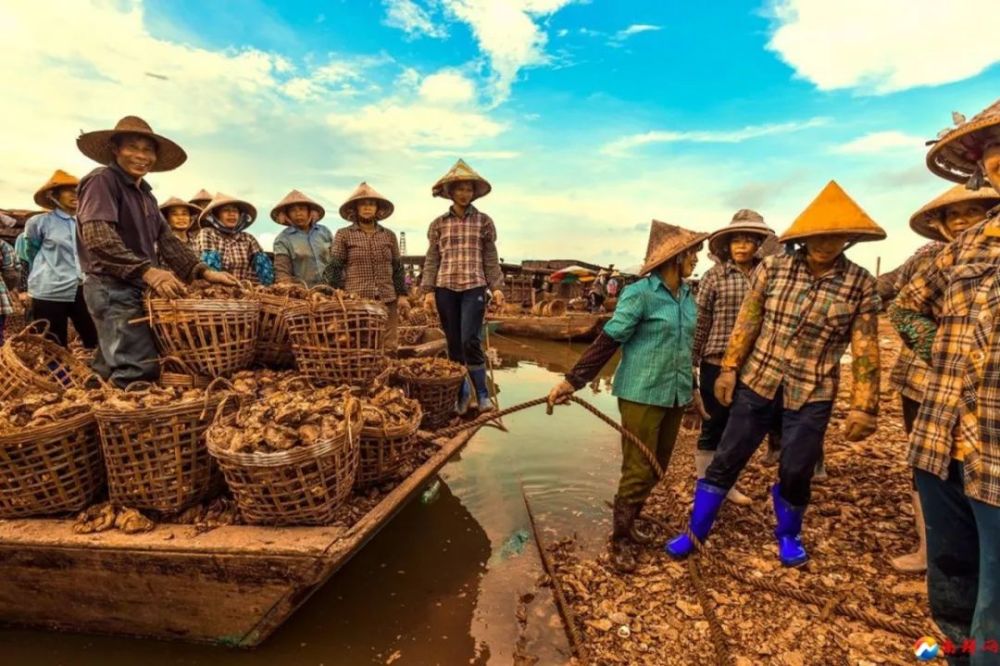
[{"x": 569, "y": 328}]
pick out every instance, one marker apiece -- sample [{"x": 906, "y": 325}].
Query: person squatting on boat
[{"x": 654, "y": 326}]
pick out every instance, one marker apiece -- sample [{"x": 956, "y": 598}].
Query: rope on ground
[
  {"x": 722, "y": 656},
  {"x": 565, "y": 610}
]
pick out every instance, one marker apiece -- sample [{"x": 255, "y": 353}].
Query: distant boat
[{"x": 568, "y": 328}]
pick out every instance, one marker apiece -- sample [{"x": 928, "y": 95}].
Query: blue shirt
[
  {"x": 51, "y": 249},
  {"x": 309, "y": 252},
  {"x": 656, "y": 331}
]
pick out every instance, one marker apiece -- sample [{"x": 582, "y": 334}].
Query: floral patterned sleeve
[
  {"x": 912, "y": 313},
  {"x": 748, "y": 321},
  {"x": 865, "y": 353}
]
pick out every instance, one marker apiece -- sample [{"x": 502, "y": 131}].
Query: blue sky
[{"x": 589, "y": 118}]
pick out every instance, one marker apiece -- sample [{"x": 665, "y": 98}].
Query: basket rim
[
  {"x": 70, "y": 427},
  {"x": 429, "y": 380},
  {"x": 150, "y": 413},
  {"x": 305, "y": 307},
  {"x": 282, "y": 458},
  {"x": 405, "y": 429}
]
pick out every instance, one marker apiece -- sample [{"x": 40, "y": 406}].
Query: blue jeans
[
  {"x": 462, "y": 314},
  {"x": 125, "y": 352},
  {"x": 963, "y": 563},
  {"x": 750, "y": 418}
]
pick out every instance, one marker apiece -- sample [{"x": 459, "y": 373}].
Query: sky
[{"x": 589, "y": 117}]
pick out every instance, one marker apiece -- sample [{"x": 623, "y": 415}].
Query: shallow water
[{"x": 440, "y": 584}]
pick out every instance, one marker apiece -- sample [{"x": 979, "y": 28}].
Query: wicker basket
[
  {"x": 303, "y": 486},
  {"x": 338, "y": 342},
  {"x": 56, "y": 369},
  {"x": 411, "y": 336},
  {"x": 274, "y": 349},
  {"x": 56, "y": 468},
  {"x": 215, "y": 337},
  {"x": 177, "y": 373},
  {"x": 384, "y": 450},
  {"x": 156, "y": 458},
  {"x": 436, "y": 395}
]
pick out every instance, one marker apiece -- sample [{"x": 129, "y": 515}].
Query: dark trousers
[
  {"x": 461, "y": 314},
  {"x": 910, "y": 409},
  {"x": 750, "y": 418},
  {"x": 718, "y": 415},
  {"x": 60, "y": 313},
  {"x": 657, "y": 428},
  {"x": 126, "y": 352},
  {"x": 963, "y": 563},
  {"x": 3, "y": 326}
]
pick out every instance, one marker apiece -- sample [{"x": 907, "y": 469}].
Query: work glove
[
  {"x": 724, "y": 387},
  {"x": 221, "y": 277},
  {"x": 429, "y": 304},
  {"x": 498, "y": 298},
  {"x": 695, "y": 413},
  {"x": 560, "y": 394},
  {"x": 164, "y": 283},
  {"x": 403, "y": 305},
  {"x": 859, "y": 425}
]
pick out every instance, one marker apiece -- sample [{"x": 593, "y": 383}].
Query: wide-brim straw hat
[
  {"x": 923, "y": 220},
  {"x": 97, "y": 145},
  {"x": 833, "y": 212},
  {"x": 173, "y": 202},
  {"x": 59, "y": 179},
  {"x": 666, "y": 241},
  {"x": 296, "y": 197},
  {"x": 221, "y": 199},
  {"x": 956, "y": 152},
  {"x": 349, "y": 209},
  {"x": 459, "y": 173},
  {"x": 201, "y": 195},
  {"x": 745, "y": 221}
]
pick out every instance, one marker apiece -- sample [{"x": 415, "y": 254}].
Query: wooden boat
[
  {"x": 570, "y": 327},
  {"x": 231, "y": 586}
]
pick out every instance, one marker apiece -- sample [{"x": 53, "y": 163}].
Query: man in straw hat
[
  {"x": 654, "y": 319},
  {"x": 799, "y": 314},
  {"x": 55, "y": 279},
  {"x": 947, "y": 315},
  {"x": 302, "y": 249},
  {"x": 123, "y": 238},
  {"x": 461, "y": 270},
  {"x": 225, "y": 245},
  {"x": 365, "y": 258},
  {"x": 720, "y": 294},
  {"x": 940, "y": 220}
]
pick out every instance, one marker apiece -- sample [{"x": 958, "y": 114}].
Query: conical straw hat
[
  {"x": 833, "y": 212},
  {"x": 177, "y": 201},
  {"x": 97, "y": 145},
  {"x": 666, "y": 241},
  {"x": 296, "y": 197},
  {"x": 221, "y": 199},
  {"x": 458, "y": 173},
  {"x": 349, "y": 211},
  {"x": 923, "y": 220},
  {"x": 201, "y": 195},
  {"x": 745, "y": 221},
  {"x": 59, "y": 179},
  {"x": 956, "y": 152}
]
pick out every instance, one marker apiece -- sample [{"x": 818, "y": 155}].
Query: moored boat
[{"x": 569, "y": 328}]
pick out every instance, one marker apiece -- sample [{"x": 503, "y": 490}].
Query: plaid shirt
[
  {"x": 106, "y": 246},
  {"x": 462, "y": 252},
  {"x": 237, "y": 251},
  {"x": 720, "y": 294},
  {"x": 805, "y": 325},
  {"x": 909, "y": 375},
  {"x": 368, "y": 265},
  {"x": 954, "y": 302}
]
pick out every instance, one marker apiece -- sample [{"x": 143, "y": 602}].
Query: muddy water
[{"x": 441, "y": 583}]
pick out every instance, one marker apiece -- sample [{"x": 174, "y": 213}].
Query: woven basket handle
[
  {"x": 180, "y": 363},
  {"x": 38, "y": 328},
  {"x": 221, "y": 408},
  {"x": 218, "y": 381}
]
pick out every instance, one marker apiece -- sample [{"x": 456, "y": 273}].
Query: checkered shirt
[
  {"x": 806, "y": 327},
  {"x": 370, "y": 263},
  {"x": 958, "y": 297},
  {"x": 462, "y": 252},
  {"x": 237, "y": 251},
  {"x": 720, "y": 294},
  {"x": 909, "y": 375}
]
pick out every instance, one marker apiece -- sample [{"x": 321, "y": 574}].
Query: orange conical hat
[
  {"x": 296, "y": 197},
  {"x": 833, "y": 212},
  {"x": 59, "y": 179},
  {"x": 349, "y": 211},
  {"x": 666, "y": 241},
  {"x": 458, "y": 173}
]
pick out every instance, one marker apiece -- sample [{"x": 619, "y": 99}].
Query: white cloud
[
  {"x": 884, "y": 46},
  {"x": 626, "y": 143},
  {"x": 447, "y": 87},
  {"x": 634, "y": 29},
  {"x": 398, "y": 125},
  {"x": 413, "y": 19},
  {"x": 877, "y": 142}
]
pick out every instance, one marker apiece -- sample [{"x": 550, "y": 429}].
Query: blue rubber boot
[
  {"x": 464, "y": 397},
  {"x": 789, "y": 530},
  {"x": 707, "y": 500},
  {"x": 478, "y": 374}
]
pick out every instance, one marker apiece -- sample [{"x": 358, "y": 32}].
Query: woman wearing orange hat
[
  {"x": 55, "y": 278},
  {"x": 655, "y": 318},
  {"x": 799, "y": 314},
  {"x": 940, "y": 220},
  {"x": 181, "y": 216},
  {"x": 302, "y": 249},
  {"x": 223, "y": 243}
]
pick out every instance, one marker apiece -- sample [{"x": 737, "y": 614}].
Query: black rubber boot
[{"x": 622, "y": 556}]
